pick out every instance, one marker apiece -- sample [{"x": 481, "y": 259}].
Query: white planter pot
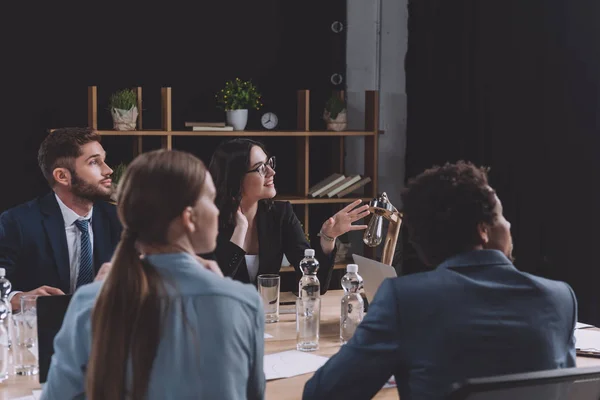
[
  {"x": 338, "y": 124},
  {"x": 124, "y": 120},
  {"x": 237, "y": 118}
]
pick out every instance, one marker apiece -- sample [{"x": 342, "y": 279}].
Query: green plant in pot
[
  {"x": 335, "y": 115},
  {"x": 124, "y": 111},
  {"x": 116, "y": 176},
  {"x": 236, "y": 98}
]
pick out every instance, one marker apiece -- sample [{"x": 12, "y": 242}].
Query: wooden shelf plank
[
  {"x": 311, "y": 200},
  {"x": 234, "y": 133}
]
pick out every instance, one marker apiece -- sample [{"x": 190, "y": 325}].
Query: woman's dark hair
[
  {"x": 228, "y": 167},
  {"x": 126, "y": 320},
  {"x": 443, "y": 207}
]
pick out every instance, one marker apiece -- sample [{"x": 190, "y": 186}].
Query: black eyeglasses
[{"x": 262, "y": 168}]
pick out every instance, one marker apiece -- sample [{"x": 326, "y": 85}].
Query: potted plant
[
  {"x": 335, "y": 115},
  {"x": 236, "y": 98},
  {"x": 116, "y": 178},
  {"x": 124, "y": 111}
]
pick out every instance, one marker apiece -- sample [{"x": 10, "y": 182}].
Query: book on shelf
[
  {"x": 210, "y": 124},
  {"x": 354, "y": 187},
  {"x": 212, "y": 128},
  {"x": 325, "y": 184},
  {"x": 342, "y": 185}
]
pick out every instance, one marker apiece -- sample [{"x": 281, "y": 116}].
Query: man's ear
[
  {"x": 483, "y": 233},
  {"x": 62, "y": 176}
]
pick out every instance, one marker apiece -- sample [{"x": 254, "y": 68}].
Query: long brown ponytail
[{"x": 126, "y": 320}]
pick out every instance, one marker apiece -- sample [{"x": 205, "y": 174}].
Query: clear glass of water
[
  {"x": 268, "y": 287},
  {"x": 308, "y": 320},
  {"x": 25, "y": 343}
]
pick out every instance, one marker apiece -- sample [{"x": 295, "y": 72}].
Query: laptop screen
[
  {"x": 51, "y": 311},
  {"x": 373, "y": 274}
]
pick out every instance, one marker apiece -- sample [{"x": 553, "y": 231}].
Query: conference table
[{"x": 284, "y": 338}]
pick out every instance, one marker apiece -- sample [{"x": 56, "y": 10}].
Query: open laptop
[
  {"x": 373, "y": 274},
  {"x": 51, "y": 311},
  {"x": 558, "y": 384}
]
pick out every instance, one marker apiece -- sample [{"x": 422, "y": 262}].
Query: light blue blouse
[{"x": 212, "y": 345}]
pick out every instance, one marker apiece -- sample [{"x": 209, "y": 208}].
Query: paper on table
[
  {"x": 291, "y": 363},
  {"x": 587, "y": 340},
  {"x": 581, "y": 325},
  {"x": 267, "y": 336},
  {"x": 34, "y": 352},
  {"x": 391, "y": 383},
  {"x": 37, "y": 395}
]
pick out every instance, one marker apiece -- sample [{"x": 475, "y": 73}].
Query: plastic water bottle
[
  {"x": 5, "y": 325},
  {"x": 352, "y": 311},
  {"x": 5, "y": 285},
  {"x": 5, "y": 289},
  {"x": 4, "y": 341},
  {"x": 308, "y": 304},
  {"x": 309, "y": 285}
]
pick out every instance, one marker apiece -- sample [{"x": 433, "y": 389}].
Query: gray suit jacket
[
  {"x": 475, "y": 315},
  {"x": 211, "y": 345}
]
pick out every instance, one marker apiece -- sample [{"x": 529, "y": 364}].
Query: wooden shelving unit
[
  {"x": 301, "y": 137},
  {"x": 289, "y": 268},
  {"x": 234, "y": 133},
  {"x": 311, "y": 200}
]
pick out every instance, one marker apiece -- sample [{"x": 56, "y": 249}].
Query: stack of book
[
  {"x": 208, "y": 126},
  {"x": 338, "y": 185}
]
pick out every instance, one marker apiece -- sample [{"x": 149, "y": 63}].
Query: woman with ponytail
[{"x": 163, "y": 325}]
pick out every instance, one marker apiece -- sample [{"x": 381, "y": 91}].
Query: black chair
[{"x": 558, "y": 384}]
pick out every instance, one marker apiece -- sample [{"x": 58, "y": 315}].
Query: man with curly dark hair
[
  {"x": 474, "y": 314},
  {"x": 452, "y": 209}
]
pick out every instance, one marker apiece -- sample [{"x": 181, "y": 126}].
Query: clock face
[{"x": 269, "y": 120}]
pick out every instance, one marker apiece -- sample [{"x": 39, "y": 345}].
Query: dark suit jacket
[
  {"x": 33, "y": 242},
  {"x": 279, "y": 233},
  {"x": 475, "y": 315}
]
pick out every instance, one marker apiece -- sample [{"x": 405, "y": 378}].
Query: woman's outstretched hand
[{"x": 342, "y": 221}]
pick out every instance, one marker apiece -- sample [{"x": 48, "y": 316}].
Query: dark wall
[
  {"x": 516, "y": 86},
  {"x": 55, "y": 52}
]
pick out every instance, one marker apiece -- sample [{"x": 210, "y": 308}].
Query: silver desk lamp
[{"x": 381, "y": 208}]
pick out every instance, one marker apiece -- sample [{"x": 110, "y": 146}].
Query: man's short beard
[{"x": 87, "y": 191}]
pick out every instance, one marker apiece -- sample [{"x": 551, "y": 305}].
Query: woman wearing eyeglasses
[{"x": 255, "y": 231}]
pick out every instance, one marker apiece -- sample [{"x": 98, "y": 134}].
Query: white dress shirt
[
  {"x": 252, "y": 264},
  {"x": 74, "y": 238},
  {"x": 73, "y": 242}
]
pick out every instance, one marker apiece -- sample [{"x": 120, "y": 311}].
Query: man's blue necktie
[{"x": 86, "y": 264}]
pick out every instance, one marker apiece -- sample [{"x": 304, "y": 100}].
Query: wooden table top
[{"x": 284, "y": 338}]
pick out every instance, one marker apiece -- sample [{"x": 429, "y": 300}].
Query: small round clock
[{"x": 269, "y": 120}]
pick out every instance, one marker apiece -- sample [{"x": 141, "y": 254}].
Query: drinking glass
[
  {"x": 25, "y": 343},
  {"x": 268, "y": 287}
]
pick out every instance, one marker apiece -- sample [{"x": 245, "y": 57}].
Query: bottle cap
[
  {"x": 2, "y": 272},
  {"x": 309, "y": 253},
  {"x": 352, "y": 268}
]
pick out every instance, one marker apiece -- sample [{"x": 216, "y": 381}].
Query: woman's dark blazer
[{"x": 279, "y": 232}]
